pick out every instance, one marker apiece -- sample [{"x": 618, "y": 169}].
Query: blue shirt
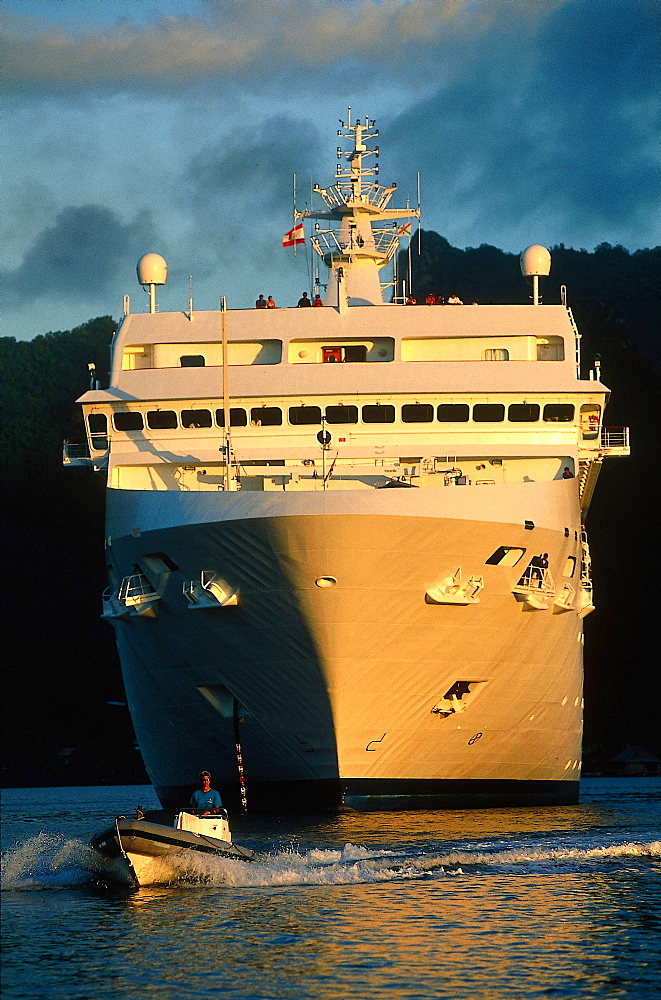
[{"x": 206, "y": 800}]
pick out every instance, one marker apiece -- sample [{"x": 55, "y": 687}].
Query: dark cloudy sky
[{"x": 176, "y": 127}]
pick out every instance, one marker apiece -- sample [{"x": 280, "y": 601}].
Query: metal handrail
[
  {"x": 75, "y": 450},
  {"x": 385, "y": 242},
  {"x": 614, "y": 437},
  {"x": 537, "y": 580},
  {"x": 134, "y": 587}
]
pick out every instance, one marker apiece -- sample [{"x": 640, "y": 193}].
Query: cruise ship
[{"x": 346, "y": 556}]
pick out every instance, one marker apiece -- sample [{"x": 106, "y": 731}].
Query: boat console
[{"x": 209, "y": 825}]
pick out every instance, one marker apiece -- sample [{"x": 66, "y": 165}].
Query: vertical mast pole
[
  {"x": 410, "y": 267},
  {"x": 226, "y": 396}
]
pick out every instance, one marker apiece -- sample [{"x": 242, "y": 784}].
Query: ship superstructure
[{"x": 348, "y": 540}]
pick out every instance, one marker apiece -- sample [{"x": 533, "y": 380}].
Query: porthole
[
  {"x": 238, "y": 417},
  {"x": 128, "y": 420},
  {"x": 488, "y": 412},
  {"x": 375, "y": 413},
  {"x": 417, "y": 413},
  {"x": 196, "y": 418},
  {"x": 559, "y": 412},
  {"x": 265, "y": 416},
  {"x": 523, "y": 412},
  {"x": 342, "y": 414},
  {"x": 299, "y": 415},
  {"x": 161, "y": 420},
  {"x": 452, "y": 412}
]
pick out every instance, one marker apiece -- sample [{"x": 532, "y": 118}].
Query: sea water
[{"x": 481, "y": 904}]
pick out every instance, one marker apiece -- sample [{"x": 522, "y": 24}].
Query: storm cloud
[
  {"x": 248, "y": 41},
  {"x": 529, "y": 120},
  {"x": 551, "y": 147},
  {"x": 79, "y": 257}
]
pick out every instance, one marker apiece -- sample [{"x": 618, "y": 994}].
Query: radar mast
[{"x": 355, "y": 252}]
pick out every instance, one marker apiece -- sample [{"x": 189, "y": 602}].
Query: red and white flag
[{"x": 294, "y": 236}]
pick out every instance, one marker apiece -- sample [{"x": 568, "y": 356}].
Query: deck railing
[
  {"x": 74, "y": 453},
  {"x": 614, "y": 437}
]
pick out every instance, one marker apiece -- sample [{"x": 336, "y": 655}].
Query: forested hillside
[
  {"x": 60, "y": 665},
  {"x": 61, "y": 670}
]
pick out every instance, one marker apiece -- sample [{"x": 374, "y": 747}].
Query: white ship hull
[{"x": 339, "y": 686}]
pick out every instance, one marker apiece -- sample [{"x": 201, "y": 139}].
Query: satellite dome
[
  {"x": 152, "y": 269},
  {"x": 535, "y": 260}
]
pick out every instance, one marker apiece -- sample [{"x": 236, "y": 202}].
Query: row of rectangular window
[{"x": 371, "y": 413}]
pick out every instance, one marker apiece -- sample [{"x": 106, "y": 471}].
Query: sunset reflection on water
[{"x": 467, "y": 905}]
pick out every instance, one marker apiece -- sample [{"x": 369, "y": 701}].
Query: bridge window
[
  {"x": 523, "y": 412},
  {"x": 496, "y": 354},
  {"x": 129, "y": 420},
  {"x": 196, "y": 418},
  {"x": 238, "y": 417},
  {"x": 452, "y": 412},
  {"x": 192, "y": 361},
  {"x": 374, "y": 413},
  {"x": 304, "y": 415},
  {"x": 485, "y": 413},
  {"x": 417, "y": 413},
  {"x": 98, "y": 426},
  {"x": 161, "y": 420},
  {"x": 342, "y": 414},
  {"x": 98, "y": 423},
  {"x": 559, "y": 412},
  {"x": 265, "y": 416},
  {"x": 590, "y": 416}
]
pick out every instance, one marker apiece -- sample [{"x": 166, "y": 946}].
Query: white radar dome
[
  {"x": 535, "y": 260},
  {"x": 152, "y": 269}
]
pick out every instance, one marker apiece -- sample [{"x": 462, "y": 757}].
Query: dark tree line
[
  {"x": 61, "y": 668},
  {"x": 60, "y": 664}
]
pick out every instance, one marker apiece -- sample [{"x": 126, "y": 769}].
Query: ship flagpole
[
  {"x": 419, "y": 219},
  {"x": 226, "y": 397}
]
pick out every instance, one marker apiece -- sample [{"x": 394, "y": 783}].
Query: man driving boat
[{"x": 206, "y": 799}]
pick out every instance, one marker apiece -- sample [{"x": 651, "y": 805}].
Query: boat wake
[{"x": 51, "y": 861}]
